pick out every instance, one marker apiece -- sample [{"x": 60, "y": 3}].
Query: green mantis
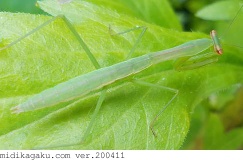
[{"x": 103, "y": 77}]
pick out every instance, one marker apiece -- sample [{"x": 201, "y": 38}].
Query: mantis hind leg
[
  {"x": 147, "y": 84},
  {"x": 94, "y": 115},
  {"x": 70, "y": 27}
]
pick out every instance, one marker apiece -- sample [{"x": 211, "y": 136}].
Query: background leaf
[
  {"x": 52, "y": 55},
  {"x": 154, "y": 11},
  {"x": 214, "y": 11},
  {"x": 27, "y": 6}
]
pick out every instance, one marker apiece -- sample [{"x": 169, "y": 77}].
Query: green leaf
[
  {"x": 222, "y": 10},
  {"x": 214, "y": 132},
  {"x": 217, "y": 138},
  {"x": 52, "y": 55},
  {"x": 217, "y": 127},
  {"x": 27, "y": 6},
  {"x": 153, "y": 11}
]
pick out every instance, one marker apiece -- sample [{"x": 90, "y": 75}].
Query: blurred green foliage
[{"x": 26, "y": 6}]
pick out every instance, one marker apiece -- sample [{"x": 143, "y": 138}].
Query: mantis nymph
[{"x": 102, "y": 77}]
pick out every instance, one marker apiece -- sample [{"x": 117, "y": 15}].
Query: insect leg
[
  {"x": 175, "y": 91},
  {"x": 97, "y": 108},
  {"x": 81, "y": 42},
  {"x": 188, "y": 63},
  {"x": 91, "y": 123},
  {"x": 143, "y": 28},
  {"x": 71, "y": 28}
]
